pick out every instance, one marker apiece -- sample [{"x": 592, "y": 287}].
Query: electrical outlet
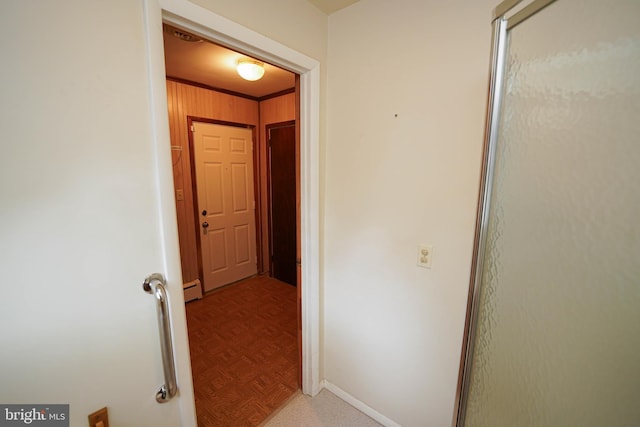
[
  {"x": 425, "y": 256},
  {"x": 100, "y": 418}
]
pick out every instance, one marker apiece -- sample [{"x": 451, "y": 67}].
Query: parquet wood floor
[{"x": 244, "y": 351}]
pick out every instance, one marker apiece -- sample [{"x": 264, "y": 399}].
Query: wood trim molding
[
  {"x": 277, "y": 94},
  {"x": 216, "y": 89},
  {"x": 191, "y": 119},
  {"x": 231, "y": 92}
]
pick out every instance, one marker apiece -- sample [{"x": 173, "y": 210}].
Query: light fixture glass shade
[{"x": 250, "y": 70}]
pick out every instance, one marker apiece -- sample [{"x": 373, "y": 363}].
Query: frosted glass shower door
[{"x": 557, "y": 339}]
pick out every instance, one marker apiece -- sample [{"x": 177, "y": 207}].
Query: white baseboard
[{"x": 362, "y": 407}]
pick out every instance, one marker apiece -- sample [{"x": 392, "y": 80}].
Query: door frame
[
  {"x": 211, "y": 26},
  {"x": 194, "y": 183}
]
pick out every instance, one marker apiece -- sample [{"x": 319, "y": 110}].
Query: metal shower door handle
[{"x": 155, "y": 285}]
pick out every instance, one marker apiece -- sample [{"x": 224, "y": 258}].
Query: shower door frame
[{"x": 501, "y": 25}]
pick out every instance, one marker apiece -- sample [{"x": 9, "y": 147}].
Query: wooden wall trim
[
  {"x": 231, "y": 92},
  {"x": 191, "y": 119},
  {"x": 213, "y": 88},
  {"x": 277, "y": 94}
]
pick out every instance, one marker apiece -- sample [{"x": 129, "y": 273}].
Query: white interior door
[
  {"x": 82, "y": 186},
  {"x": 226, "y": 203}
]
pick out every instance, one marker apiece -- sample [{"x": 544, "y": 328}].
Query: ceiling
[
  {"x": 192, "y": 59},
  {"x": 330, "y": 6}
]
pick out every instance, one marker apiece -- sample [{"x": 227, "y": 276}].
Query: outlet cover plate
[{"x": 425, "y": 256}]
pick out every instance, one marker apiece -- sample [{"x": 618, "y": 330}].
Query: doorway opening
[
  {"x": 207, "y": 248},
  {"x": 211, "y": 26}
]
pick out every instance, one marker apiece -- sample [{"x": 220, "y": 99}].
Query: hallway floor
[{"x": 244, "y": 351}]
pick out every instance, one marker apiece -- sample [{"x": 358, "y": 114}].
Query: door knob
[{"x": 205, "y": 224}]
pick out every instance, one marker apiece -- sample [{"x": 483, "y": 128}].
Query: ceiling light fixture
[{"x": 250, "y": 69}]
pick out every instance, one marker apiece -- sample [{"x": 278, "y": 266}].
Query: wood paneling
[
  {"x": 280, "y": 109},
  {"x": 186, "y": 100},
  {"x": 273, "y": 110}
]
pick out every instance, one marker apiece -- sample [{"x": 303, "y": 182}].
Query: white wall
[
  {"x": 393, "y": 331},
  {"x": 294, "y": 23}
]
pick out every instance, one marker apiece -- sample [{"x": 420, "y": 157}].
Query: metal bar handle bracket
[{"x": 155, "y": 285}]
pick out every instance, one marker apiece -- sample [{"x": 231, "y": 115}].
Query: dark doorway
[{"x": 282, "y": 206}]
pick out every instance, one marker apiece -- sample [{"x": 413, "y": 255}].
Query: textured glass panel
[{"x": 558, "y": 339}]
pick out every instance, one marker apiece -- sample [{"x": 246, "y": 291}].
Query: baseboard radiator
[{"x": 192, "y": 290}]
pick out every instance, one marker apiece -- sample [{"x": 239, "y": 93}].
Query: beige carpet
[{"x": 323, "y": 410}]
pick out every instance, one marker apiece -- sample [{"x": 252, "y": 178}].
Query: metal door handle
[
  {"x": 205, "y": 224},
  {"x": 155, "y": 285}
]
